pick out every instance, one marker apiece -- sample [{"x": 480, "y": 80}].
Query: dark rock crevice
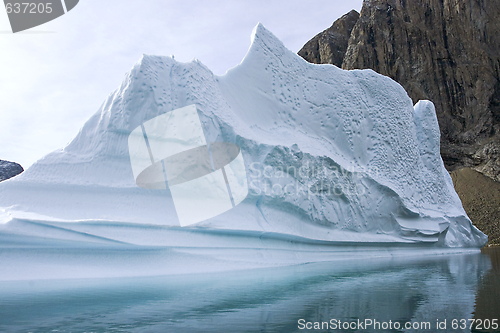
[{"x": 329, "y": 46}]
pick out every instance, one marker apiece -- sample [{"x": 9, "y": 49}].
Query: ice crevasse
[{"x": 334, "y": 161}]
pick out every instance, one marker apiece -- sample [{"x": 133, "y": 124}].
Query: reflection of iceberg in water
[{"x": 270, "y": 300}]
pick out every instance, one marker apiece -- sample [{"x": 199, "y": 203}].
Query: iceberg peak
[{"x": 263, "y": 37}]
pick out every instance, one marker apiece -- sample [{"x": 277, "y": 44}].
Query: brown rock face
[
  {"x": 329, "y": 46},
  {"x": 446, "y": 51},
  {"x": 481, "y": 200}
]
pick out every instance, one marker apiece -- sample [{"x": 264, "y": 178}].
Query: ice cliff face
[{"x": 330, "y": 156}]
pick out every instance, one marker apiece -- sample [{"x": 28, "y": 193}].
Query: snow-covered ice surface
[{"x": 339, "y": 164}]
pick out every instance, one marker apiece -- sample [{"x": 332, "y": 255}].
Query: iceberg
[{"x": 336, "y": 164}]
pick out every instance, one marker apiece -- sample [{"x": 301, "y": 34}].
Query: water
[{"x": 416, "y": 290}]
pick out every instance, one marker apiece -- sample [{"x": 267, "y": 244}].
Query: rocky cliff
[
  {"x": 481, "y": 200},
  {"x": 446, "y": 51},
  {"x": 329, "y": 47},
  {"x": 9, "y": 170}
]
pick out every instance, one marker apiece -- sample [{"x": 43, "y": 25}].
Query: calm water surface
[{"x": 416, "y": 290}]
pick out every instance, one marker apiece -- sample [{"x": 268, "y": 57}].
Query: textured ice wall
[{"x": 331, "y": 155}]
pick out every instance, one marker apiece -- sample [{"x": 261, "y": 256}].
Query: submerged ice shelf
[{"x": 335, "y": 162}]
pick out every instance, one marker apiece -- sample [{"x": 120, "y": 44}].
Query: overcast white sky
[{"x": 55, "y": 76}]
